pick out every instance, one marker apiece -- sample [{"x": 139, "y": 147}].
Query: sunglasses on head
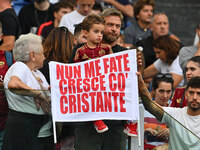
[
  {"x": 164, "y": 75},
  {"x": 65, "y": 29}
]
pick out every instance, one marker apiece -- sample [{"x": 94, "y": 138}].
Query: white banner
[{"x": 97, "y": 89}]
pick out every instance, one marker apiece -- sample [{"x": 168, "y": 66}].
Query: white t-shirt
[
  {"x": 180, "y": 138},
  {"x": 22, "y": 103},
  {"x": 71, "y": 19},
  {"x": 25, "y": 103},
  {"x": 162, "y": 67}
]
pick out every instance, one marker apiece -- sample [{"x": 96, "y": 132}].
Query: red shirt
[
  {"x": 86, "y": 53},
  {"x": 176, "y": 99},
  {"x": 3, "y": 101}
]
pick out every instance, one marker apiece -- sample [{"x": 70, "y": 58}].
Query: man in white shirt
[
  {"x": 84, "y": 7},
  {"x": 184, "y": 122}
]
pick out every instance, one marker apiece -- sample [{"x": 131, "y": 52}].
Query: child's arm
[{"x": 77, "y": 57}]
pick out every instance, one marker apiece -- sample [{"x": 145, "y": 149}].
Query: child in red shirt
[{"x": 93, "y": 28}]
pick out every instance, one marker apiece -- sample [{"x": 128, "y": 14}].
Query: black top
[
  {"x": 29, "y": 17},
  {"x": 10, "y": 23},
  {"x": 46, "y": 30},
  {"x": 148, "y": 52}
]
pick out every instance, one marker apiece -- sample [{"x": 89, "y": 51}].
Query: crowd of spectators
[{"x": 56, "y": 30}]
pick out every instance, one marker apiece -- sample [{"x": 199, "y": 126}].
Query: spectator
[
  {"x": 185, "y": 132},
  {"x": 143, "y": 13},
  {"x": 3, "y": 101},
  {"x": 84, "y": 7},
  {"x": 79, "y": 37},
  {"x": 157, "y": 134},
  {"x": 93, "y": 27},
  {"x": 33, "y": 15},
  {"x": 9, "y": 32},
  {"x": 159, "y": 26},
  {"x": 124, "y": 6},
  {"x": 59, "y": 9},
  {"x": 187, "y": 52},
  {"x": 10, "y": 25},
  {"x": 97, "y": 8},
  {"x": 166, "y": 50},
  {"x": 113, "y": 138},
  {"x": 162, "y": 87},
  {"x": 192, "y": 69},
  {"x": 111, "y": 31},
  {"x": 91, "y": 24},
  {"x": 27, "y": 93},
  {"x": 58, "y": 47}
]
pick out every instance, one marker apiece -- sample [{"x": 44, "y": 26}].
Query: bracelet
[{"x": 38, "y": 95}]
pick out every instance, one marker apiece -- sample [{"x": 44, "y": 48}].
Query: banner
[{"x": 97, "y": 89}]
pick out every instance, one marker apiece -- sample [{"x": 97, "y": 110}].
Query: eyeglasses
[
  {"x": 167, "y": 75},
  {"x": 65, "y": 29}
]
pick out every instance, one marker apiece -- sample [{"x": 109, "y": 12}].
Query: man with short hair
[
  {"x": 111, "y": 33},
  {"x": 86, "y": 135},
  {"x": 159, "y": 26},
  {"x": 59, "y": 9},
  {"x": 143, "y": 12},
  {"x": 70, "y": 20},
  {"x": 79, "y": 37},
  {"x": 192, "y": 69},
  {"x": 184, "y": 122}
]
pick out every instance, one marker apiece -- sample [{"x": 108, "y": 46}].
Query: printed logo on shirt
[
  {"x": 2, "y": 64},
  {"x": 40, "y": 80},
  {"x": 178, "y": 100}
]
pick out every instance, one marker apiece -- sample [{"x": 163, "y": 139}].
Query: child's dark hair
[{"x": 90, "y": 20}]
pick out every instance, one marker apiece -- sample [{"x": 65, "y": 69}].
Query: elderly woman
[
  {"x": 28, "y": 97},
  {"x": 166, "y": 50}
]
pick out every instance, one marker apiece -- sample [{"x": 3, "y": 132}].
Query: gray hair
[
  {"x": 111, "y": 12},
  {"x": 24, "y": 45},
  {"x": 158, "y": 13}
]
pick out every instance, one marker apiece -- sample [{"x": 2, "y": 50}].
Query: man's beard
[
  {"x": 193, "y": 108},
  {"x": 110, "y": 38}
]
